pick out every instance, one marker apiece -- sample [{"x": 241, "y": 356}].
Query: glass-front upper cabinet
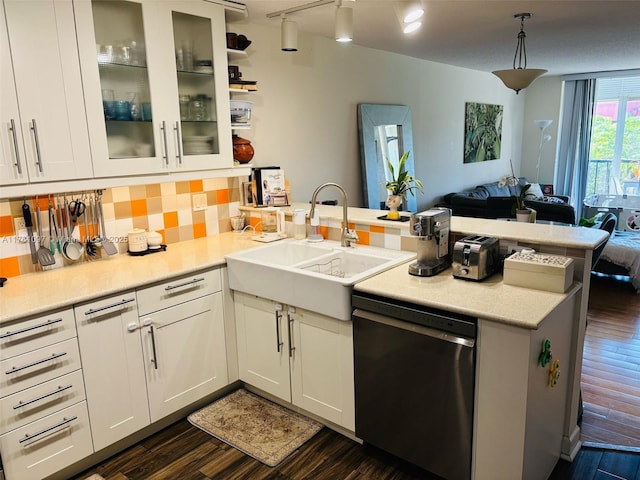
[{"x": 152, "y": 72}]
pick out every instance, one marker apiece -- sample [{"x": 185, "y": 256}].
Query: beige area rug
[{"x": 260, "y": 428}]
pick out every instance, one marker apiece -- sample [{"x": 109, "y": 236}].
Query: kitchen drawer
[
  {"x": 178, "y": 290},
  {"x": 105, "y": 308},
  {"x": 44, "y": 399},
  {"x": 32, "y": 368},
  {"x": 48, "y": 445},
  {"x": 28, "y": 334}
]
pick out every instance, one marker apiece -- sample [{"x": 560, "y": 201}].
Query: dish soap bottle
[
  {"x": 299, "y": 224},
  {"x": 314, "y": 234}
]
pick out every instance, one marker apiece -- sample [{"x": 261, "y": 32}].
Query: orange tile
[
  {"x": 199, "y": 230},
  {"x": 6, "y": 226},
  {"x": 376, "y": 229},
  {"x": 161, "y": 232},
  {"x": 182, "y": 187},
  {"x": 195, "y": 186},
  {"x": 363, "y": 237},
  {"x": 324, "y": 231},
  {"x": 222, "y": 196},
  {"x": 138, "y": 208},
  {"x": 9, "y": 267},
  {"x": 170, "y": 219},
  {"x": 42, "y": 201}
]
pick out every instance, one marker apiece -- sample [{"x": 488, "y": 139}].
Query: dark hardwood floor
[
  {"x": 611, "y": 364},
  {"x": 611, "y": 390}
]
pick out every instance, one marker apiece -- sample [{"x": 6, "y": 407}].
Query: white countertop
[
  {"x": 490, "y": 299},
  {"x": 48, "y": 290},
  {"x": 40, "y": 292},
  {"x": 535, "y": 233}
]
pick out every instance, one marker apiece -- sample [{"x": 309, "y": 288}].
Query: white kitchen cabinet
[
  {"x": 184, "y": 352},
  {"x": 149, "y": 55},
  {"x": 299, "y": 356},
  {"x": 44, "y": 134},
  {"x": 43, "y": 413},
  {"x": 113, "y": 367}
]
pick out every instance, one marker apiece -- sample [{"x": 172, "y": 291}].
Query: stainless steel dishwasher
[{"x": 414, "y": 382}]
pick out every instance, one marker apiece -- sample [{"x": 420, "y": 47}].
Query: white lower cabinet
[
  {"x": 299, "y": 356},
  {"x": 184, "y": 352},
  {"x": 44, "y": 426},
  {"x": 113, "y": 366},
  {"x": 147, "y": 354}
]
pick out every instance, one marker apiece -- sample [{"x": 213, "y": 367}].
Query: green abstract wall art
[{"x": 482, "y": 132}]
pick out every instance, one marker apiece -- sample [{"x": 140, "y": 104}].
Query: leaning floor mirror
[{"x": 384, "y": 133}]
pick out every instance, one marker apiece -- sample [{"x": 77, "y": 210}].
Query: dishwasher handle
[{"x": 415, "y": 328}]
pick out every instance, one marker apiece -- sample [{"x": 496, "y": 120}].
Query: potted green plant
[
  {"x": 400, "y": 185},
  {"x": 521, "y": 211}
]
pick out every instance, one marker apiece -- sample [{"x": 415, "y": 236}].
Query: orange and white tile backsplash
[{"x": 166, "y": 208}]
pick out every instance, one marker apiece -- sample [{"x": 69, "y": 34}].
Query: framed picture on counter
[{"x": 247, "y": 194}]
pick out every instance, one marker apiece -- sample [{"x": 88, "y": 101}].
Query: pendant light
[
  {"x": 519, "y": 76},
  {"x": 288, "y": 35},
  {"x": 344, "y": 22}
]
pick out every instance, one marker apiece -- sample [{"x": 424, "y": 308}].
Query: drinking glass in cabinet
[
  {"x": 194, "y": 69},
  {"x": 124, "y": 78}
]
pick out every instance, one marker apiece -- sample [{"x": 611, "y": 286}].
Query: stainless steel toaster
[{"x": 476, "y": 257}]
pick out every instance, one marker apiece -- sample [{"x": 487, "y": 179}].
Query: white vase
[{"x": 523, "y": 215}]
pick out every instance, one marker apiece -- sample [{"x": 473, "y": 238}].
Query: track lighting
[
  {"x": 288, "y": 35},
  {"x": 344, "y": 22}
]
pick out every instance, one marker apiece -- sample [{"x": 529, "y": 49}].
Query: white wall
[
  {"x": 543, "y": 102},
  {"x": 305, "y": 113}
]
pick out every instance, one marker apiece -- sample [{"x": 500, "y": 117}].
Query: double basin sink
[{"x": 315, "y": 276}]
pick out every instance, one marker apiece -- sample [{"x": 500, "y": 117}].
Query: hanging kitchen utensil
[
  {"x": 26, "y": 213},
  {"x": 109, "y": 247},
  {"x": 95, "y": 238},
  {"x": 45, "y": 257},
  {"x": 71, "y": 248},
  {"x": 76, "y": 210},
  {"x": 88, "y": 246},
  {"x": 52, "y": 219}
]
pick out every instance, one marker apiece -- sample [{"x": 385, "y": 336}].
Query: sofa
[{"x": 492, "y": 200}]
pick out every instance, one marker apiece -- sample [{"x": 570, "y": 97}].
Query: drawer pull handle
[
  {"x": 23, "y": 330},
  {"x": 278, "y": 339},
  {"x": 190, "y": 282},
  {"x": 41, "y": 397},
  {"x": 289, "y": 327},
  {"x": 15, "y": 146},
  {"x": 46, "y": 430},
  {"x": 113, "y": 305},
  {"x": 48, "y": 359}
]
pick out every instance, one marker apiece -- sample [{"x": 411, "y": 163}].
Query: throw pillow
[{"x": 534, "y": 192}]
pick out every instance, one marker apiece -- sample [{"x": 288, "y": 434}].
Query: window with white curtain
[{"x": 614, "y": 153}]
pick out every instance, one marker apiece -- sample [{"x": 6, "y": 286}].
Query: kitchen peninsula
[{"x": 28, "y": 296}]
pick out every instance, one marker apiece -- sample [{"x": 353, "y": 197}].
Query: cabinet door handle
[
  {"x": 24, "y": 367},
  {"x": 28, "y": 329},
  {"x": 122, "y": 302},
  {"x": 289, "y": 334},
  {"x": 41, "y": 397},
  {"x": 176, "y": 128},
  {"x": 153, "y": 348},
  {"x": 278, "y": 339},
  {"x": 163, "y": 129},
  {"x": 14, "y": 135},
  {"x": 188, "y": 282},
  {"x": 64, "y": 422},
  {"x": 34, "y": 128}
]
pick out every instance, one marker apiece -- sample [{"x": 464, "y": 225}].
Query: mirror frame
[{"x": 370, "y": 116}]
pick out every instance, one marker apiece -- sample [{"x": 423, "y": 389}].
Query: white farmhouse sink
[{"x": 318, "y": 277}]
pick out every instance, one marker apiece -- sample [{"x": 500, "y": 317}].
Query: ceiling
[{"x": 563, "y": 36}]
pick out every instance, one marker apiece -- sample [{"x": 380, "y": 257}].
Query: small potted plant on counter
[{"x": 399, "y": 186}]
